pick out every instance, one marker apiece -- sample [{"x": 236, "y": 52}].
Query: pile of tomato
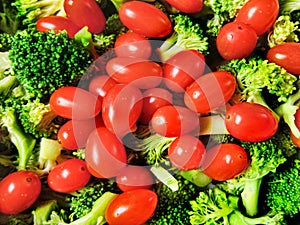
[{"x": 135, "y": 89}]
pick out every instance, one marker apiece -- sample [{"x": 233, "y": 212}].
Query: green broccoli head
[
  {"x": 5, "y": 41},
  {"x": 43, "y": 62}
]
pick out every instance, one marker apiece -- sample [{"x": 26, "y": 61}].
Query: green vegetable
[
  {"x": 9, "y": 21},
  {"x": 187, "y": 35},
  {"x": 5, "y": 41}
]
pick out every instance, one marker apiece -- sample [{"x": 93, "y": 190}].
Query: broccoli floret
[
  {"x": 288, "y": 6},
  {"x": 32, "y": 10},
  {"x": 5, "y": 41},
  {"x": 215, "y": 207},
  {"x": 219, "y": 12},
  {"x": 283, "y": 30},
  {"x": 82, "y": 201},
  {"x": 45, "y": 61},
  {"x": 9, "y": 21},
  {"x": 187, "y": 35},
  {"x": 283, "y": 189},
  {"x": 173, "y": 206}
]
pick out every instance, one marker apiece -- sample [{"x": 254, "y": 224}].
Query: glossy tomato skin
[
  {"x": 187, "y": 6},
  {"x": 186, "y": 152},
  {"x": 145, "y": 19},
  {"x": 250, "y": 122},
  {"x": 85, "y": 13},
  {"x": 68, "y": 176},
  {"x": 134, "y": 177},
  {"x": 74, "y": 133},
  {"x": 153, "y": 99},
  {"x": 259, "y": 14},
  {"x": 210, "y": 91},
  {"x": 174, "y": 121},
  {"x": 225, "y": 161},
  {"x": 134, "y": 45},
  {"x": 18, "y": 191},
  {"x": 141, "y": 73},
  {"x": 58, "y": 23},
  {"x": 104, "y": 153},
  {"x": 183, "y": 69},
  {"x": 286, "y": 55},
  {"x": 75, "y": 103},
  {"x": 131, "y": 207},
  {"x": 101, "y": 84},
  {"x": 236, "y": 40}
]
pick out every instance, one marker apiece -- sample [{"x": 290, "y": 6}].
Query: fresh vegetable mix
[{"x": 150, "y": 112}]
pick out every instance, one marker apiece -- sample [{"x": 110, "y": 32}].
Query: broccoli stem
[
  {"x": 238, "y": 218},
  {"x": 250, "y": 196},
  {"x": 23, "y": 142},
  {"x": 7, "y": 84}
]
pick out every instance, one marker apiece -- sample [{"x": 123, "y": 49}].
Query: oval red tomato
[
  {"x": 121, "y": 108},
  {"x": 47, "y": 23},
  {"x": 18, "y": 191},
  {"x": 101, "y": 84},
  {"x": 145, "y": 19},
  {"x": 286, "y": 55},
  {"x": 131, "y": 207},
  {"x": 153, "y": 99},
  {"x": 186, "y": 152},
  {"x": 86, "y": 13},
  {"x": 259, "y": 14},
  {"x": 210, "y": 91},
  {"x": 132, "y": 44},
  {"x": 105, "y": 154},
  {"x": 134, "y": 177},
  {"x": 75, "y": 103},
  {"x": 141, "y": 73},
  {"x": 182, "y": 69},
  {"x": 187, "y": 6},
  {"x": 236, "y": 40},
  {"x": 225, "y": 161},
  {"x": 68, "y": 176},
  {"x": 174, "y": 121},
  {"x": 250, "y": 122}
]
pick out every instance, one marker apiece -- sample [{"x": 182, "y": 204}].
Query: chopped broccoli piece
[
  {"x": 5, "y": 41},
  {"x": 9, "y": 21},
  {"x": 288, "y": 6},
  {"x": 45, "y": 61},
  {"x": 32, "y": 10},
  {"x": 43, "y": 211},
  {"x": 187, "y": 34}
]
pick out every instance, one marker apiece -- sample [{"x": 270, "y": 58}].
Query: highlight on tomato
[
  {"x": 105, "y": 154},
  {"x": 210, "y": 91},
  {"x": 101, "y": 84},
  {"x": 18, "y": 191},
  {"x": 225, "y": 161},
  {"x": 251, "y": 122},
  {"x": 132, "y": 207},
  {"x": 145, "y": 19},
  {"x": 187, "y": 6}
]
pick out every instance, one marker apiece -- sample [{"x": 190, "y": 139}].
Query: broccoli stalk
[
  {"x": 9, "y": 21},
  {"x": 23, "y": 142},
  {"x": 187, "y": 34},
  {"x": 288, "y": 6},
  {"x": 215, "y": 207}
]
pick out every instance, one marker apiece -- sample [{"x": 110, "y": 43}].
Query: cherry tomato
[
  {"x": 182, "y": 69},
  {"x": 74, "y": 133},
  {"x": 132, "y": 44},
  {"x": 101, "y": 84},
  {"x": 225, "y": 161},
  {"x": 286, "y": 55},
  {"x": 86, "y": 13},
  {"x": 47, "y": 23},
  {"x": 133, "y": 207},
  {"x": 153, "y": 99},
  {"x": 105, "y": 153},
  {"x": 187, "y": 6},
  {"x": 141, "y": 73},
  {"x": 18, "y": 191},
  {"x": 259, "y": 14},
  {"x": 134, "y": 177},
  {"x": 174, "y": 121},
  {"x": 210, "y": 91},
  {"x": 250, "y": 122},
  {"x": 236, "y": 40},
  {"x": 186, "y": 152},
  {"x": 121, "y": 109},
  {"x": 75, "y": 103},
  {"x": 68, "y": 176},
  {"x": 145, "y": 19}
]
